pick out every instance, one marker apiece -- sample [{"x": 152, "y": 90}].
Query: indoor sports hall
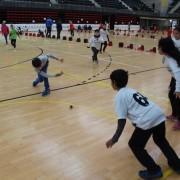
[{"x": 63, "y": 134}]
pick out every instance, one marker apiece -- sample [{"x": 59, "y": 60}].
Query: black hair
[
  {"x": 36, "y": 62},
  {"x": 177, "y": 28},
  {"x": 167, "y": 46},
  {"x": 97, "y": 30},
  {"x": 119, "y": 77}
]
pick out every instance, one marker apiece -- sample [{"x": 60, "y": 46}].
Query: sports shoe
[
  {"x": 46, "y": 92},
  {"x": 97, "y": 61},
  {"x": 34, "y": 83},
  {"x": 177, "y": 126},
  {"x": 176, "y": 168},
  {"x": 145, "y": 174}
]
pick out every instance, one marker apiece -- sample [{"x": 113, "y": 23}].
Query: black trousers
[
  {"x": 105, "y": 45},
  {"x": 175, "y": 102},
  {"x": 72, "y": 32},
  {"x": 138, "y": 142},
  {"x": 58, "y": 34},
  {"x": 48, "y": 32},
  {"x": 95, "y": 53},
  {"x": 6, "y": 38},
  {"x": 41, "y": 78},
  {"x": 13, "y": 42}
]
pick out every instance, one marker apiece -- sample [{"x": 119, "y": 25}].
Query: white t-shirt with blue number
[{"x": 138, "y": 109}]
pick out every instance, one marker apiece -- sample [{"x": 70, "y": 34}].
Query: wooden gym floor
[{"x": 41, "y": 138}]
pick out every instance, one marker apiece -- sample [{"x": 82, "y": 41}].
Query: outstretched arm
[
  {"x": 119, "y": 130},
  {"x": 50, "y": 75},
  {"x": 56, "y": 58}
]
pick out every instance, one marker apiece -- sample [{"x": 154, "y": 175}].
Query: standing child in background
[
  {"x": 148, "y": 119},
  {"x": 13, "y": 36},
  {"x": 90, "y": 29},
  {"x": 95, "y": 44},
  {"x": 85, "y": 28},
  {"x": 105, "y": 36},
  {"x": 172, "y": 61},
  {"x": 79, "y": 28},
  {"x": 71, "y": 28},
  {"x": 49, "y": 24},
  {"x": 5, "y": 31},
  {"x": 40, "y": 64},
  {"x": 176, "y": 37},
  {"x": 59, "y": 28}
]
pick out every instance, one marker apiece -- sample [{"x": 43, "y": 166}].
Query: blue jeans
[{"x": 41, "y": 78}]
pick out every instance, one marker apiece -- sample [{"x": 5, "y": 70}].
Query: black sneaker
[
  {"x": 145, "y": 174},
  {"x": 34, "y": 83},
  {"x": 176, "y": 169},
  {"x": 46, "y": 92}
]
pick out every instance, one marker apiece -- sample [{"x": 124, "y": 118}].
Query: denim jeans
[{"x": 41, "y": 78}]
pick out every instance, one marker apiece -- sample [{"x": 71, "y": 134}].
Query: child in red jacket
[{"x": 5, "y": 31}]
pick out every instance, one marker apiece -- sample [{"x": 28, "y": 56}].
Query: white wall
[
  {"x": 125, "y": 27},
  {"x": 36, "y": 27}
]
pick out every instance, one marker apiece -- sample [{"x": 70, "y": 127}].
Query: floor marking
[
  {"x": 21, "y": 62},
  {"x": 75, "y": 85}
]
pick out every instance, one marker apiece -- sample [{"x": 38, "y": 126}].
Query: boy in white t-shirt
[
  {"x": 148, "y": 120},
  {"x": 40, "y": 65},
  {"x": 95, "y": 44},
  {"x": 105, "y": 36},
  {"x": 176, "y": 37}
]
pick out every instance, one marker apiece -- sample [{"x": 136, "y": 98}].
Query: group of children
[
  {"x": 12, "y": 33},
  {"x": 147, "y": 118}
]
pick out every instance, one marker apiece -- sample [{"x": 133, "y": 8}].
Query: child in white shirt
[
  {"x": 105, "y": 36},
  {"x": 95, "y": 44},
  {"x": 40, "y": 65},
  {"x": 148, "y": 119},
  {"x": 172, "y": 61},
  {"x": 176, "y": 37}
]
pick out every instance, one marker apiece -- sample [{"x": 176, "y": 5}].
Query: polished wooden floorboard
[{"x": 41, "y": 138}]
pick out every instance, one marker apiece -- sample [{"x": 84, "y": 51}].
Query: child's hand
[
  {"x": 59, "y": 74},
  {"x": 61, "y": 60},
  {"x": 109, "y": 143}
]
